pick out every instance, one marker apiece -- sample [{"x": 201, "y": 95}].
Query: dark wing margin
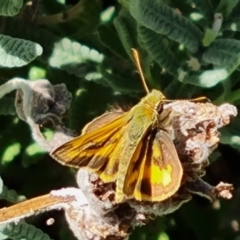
[{"x": 157, "y": 170}]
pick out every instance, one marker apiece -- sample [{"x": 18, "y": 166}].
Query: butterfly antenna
[{"x": 139, "y": 68}]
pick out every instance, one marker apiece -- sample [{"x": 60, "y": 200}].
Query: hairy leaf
[
  {"x": 157, "y": 16},
  {"x": 225, "y": 7},
  {"x": 119, "y": 83},
  {"x": 23, "y": 230},
  {"x": 11, "y": 195},
  {"x": 224, "y": 53},
  {"x": 10, "y": 7},
  {"x": 126, "y": 28},
  {"x": 205, "y": 79},
  {"x": 17, "y": 52},
  {"x": 70, "y": 56},
  {"x": 157, "y": 46},
  {"x": 110, "y": 39}
]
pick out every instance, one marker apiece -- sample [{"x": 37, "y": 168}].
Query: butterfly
[{"x": 133, "y": 149}]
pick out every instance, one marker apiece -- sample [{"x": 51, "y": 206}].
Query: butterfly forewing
[
  {"x": 103, "y": 120},
  {"x": 94, "y": 149}
]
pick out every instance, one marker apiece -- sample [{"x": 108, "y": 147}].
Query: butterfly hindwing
[{"x": 156, "y": 171}]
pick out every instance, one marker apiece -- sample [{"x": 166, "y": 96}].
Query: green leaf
[
  {"x": 33, "y": 149},
  {"x": 163, "y": 236},
  {"x": 157, "y": 16},
  {"x": 129, "y": 86},
  {"x": 11, "y": 195},
  {"x": 107, "y": 15},
  {"x": 110, "y": 39},
  {"x": 125, "y": 3},
  {"x": 7, "y": 106},
  {"x": 73, "y": 56},
  {"x": 205, "y": 79},
  {"x": 3, "y": 236},
  {"x": 23, "y": 230},
  {"x": 233, "y": 96},
  {"x": 17, "y": 52},
  {"x": 157, "y": 46},
  {"x": 1, "y": 185},
  {"x": 209, "y": 37},
  {"x": 126, "y": 28},
  {"x": 10, "y": 7},
  {"x": 224, "y": 53},
  {"x": 84, "y": 17},
  {"x": 231, "y": 134},
  {"x": 36, "y": 73},
  {"x": 32, "y": 154},
  {"x": 233, "y": 24},
  {"x": 11, "y": 152},
  {"x": 226, "y": 6},
  {"x": 206, "y": 8},
  {"x": 230, "y": 138}
]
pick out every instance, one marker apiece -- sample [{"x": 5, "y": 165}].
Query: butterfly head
[{"x": 154, "y": 99}]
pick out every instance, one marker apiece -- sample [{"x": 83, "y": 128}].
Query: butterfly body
[{"x": 131, "y": 149}]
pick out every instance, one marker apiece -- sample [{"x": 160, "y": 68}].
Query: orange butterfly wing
[
  {"x": 156, "y": 171},
  {"x": 94, "y": 149}
]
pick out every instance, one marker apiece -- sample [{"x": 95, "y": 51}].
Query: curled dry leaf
[{"x": 49, "y": 102}]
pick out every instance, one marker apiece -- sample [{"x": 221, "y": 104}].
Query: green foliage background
[{"x": 90, "y": 51}]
